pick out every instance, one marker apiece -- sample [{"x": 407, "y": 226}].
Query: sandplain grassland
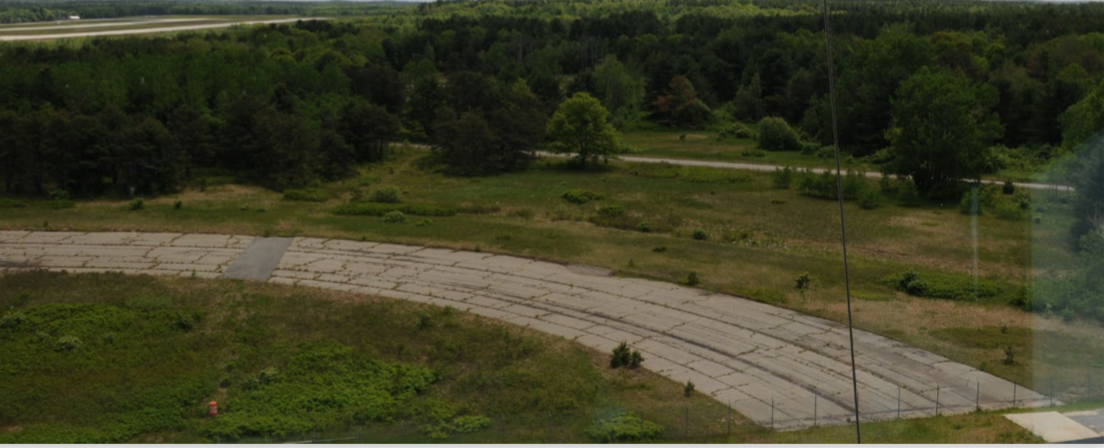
[
  {"x": 289, "y": 363},
  {"x": 757, "y": 240}
]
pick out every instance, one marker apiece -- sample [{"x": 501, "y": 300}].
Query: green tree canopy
[
  {"x": 581, "y": 126},
  {"x": 943, "y": 124}
]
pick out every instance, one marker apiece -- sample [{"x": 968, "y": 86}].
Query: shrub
[
  {"x": 942, "y": 286},
  {"x": 908, "y": 194},
  {"x": 394, "y": 217},
  {"x": 623, "y": 356},
  {"x": 826, "y": 152},
  {"x": 137, "y": 204},
  {"x": 11, "y": 203},
  {"x": 59, "y": 204},
  {"x": 178, "y": 205},
  {"x": 59, "y": 195},
  {"x": 386, "y": 195},
  {"x": 262, "y": 378},
  {"x": 624, "y": 428},
  {"x": 523, "y": 213},
  {"x": 870, "y": 199},
  {"x": 479, "y": 209},
  {"x": 581, "y": 196},
  {"x": 803, "y": 281},
  {"x": 700, "y": 235},
  {"x": 688, "y": 389},
  {"x": 643, "y": 227},
  {"x": 373, "y": 209},
  {"x": 659, "y": 249},
  {"x": 183, "y": 322},
  {"x": 1008, "y": 187},
  {"x": 777, "y": 135},
  {"x": 782, "y": 177},
  {"x": 691, "y": 279},
  {"x": 424, "y": 223},
  {"x": 306, "y": 195},
  {"x": 1010, "y": 211},
  {"x": 13, "y": 320},
  {"x": 67, "y": 344}
]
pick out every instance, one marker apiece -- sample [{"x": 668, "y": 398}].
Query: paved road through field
[
  {"x": 157, "y": 29},
  {"x": 769, "y": 363}
]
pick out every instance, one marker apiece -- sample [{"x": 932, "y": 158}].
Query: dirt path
[{"x": 161, "y": 29}]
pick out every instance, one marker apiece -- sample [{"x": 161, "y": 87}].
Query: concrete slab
[
  {"x": 1052, "y": 426},
  {"x": 258, "y": 260}
]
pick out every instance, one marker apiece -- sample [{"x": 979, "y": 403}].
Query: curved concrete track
[{"x": 773, "y": 365}]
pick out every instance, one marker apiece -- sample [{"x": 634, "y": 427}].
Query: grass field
[
  {"x": 757, "y": 240},
  {"x": 290, "y": 363}
]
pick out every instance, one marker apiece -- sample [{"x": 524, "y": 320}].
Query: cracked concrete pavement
[{"x": 773, "y": 365}]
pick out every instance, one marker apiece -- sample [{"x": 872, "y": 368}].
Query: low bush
[
  {"x": 1008, "y": 187},
  {"x": 700, "y": 235},
  {"x": 908, "y": 194},
  {"x": 624, "y": 428},
  {"x": 11, "y": 203},
  {"x": 306, "y": 195},
  {"x": 394, "y": 217},
  {"x": 688, "y": 389},
  {"x": 624, "y": 356},
  {"x": 696, "y": 174},
  {"x": 942, "y": 286},
  {"x": 479, "y": 209},
  {"x": 137, "y": 204},
  {"x": 580, "y": 196},
  {"x": 178, "y": 205},
  {"x": 803, "y": 281},
  {"x": 782, "y": 177},
  {"x": 386, "y": 195},
  {"x": 374, "y": 209},
  {"x": 870, "y": 199},
  {"x": 777, "y": 135},
  {"x": 691, "y": 279}
]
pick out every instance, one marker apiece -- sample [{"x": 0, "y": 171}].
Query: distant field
[{"x": 118, "y": 27}]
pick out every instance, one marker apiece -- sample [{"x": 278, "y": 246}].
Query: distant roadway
[{"x": 161, "y": 29}]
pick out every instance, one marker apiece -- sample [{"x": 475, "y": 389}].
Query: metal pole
[
  {"x": 772, "y": 412},
  {"x": 1052, "y": 391},
  {"x": 1014, "y": 387},
  {"x": 814, "y": 410},
  {"x": 898, "y": 402},
  {"x": 687, "y": 422},
  {"x": 843, "y": 220}
]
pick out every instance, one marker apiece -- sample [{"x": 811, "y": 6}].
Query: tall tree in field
[
  {"x": 619, "y": 88},
  {"x": 943, "y": 124},
  {"x": 581, "y": 126}
]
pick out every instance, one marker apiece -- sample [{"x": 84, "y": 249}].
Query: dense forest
[{"x": 288, "y": 105}]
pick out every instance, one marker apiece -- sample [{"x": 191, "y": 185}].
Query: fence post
[
  {"x": 1052, "y": 391},
  {"x": 686, "y": 424},
  {"x": 729, "y": 417},
  {"x": 772, "y": 412},
  {"x": 1014, "y": 387},
  {"x": 898, "y": 402},
  {"x": 814, "y": 410},
  {"x": 937, "y": 400},
  {"x": 977, "y": 398}
]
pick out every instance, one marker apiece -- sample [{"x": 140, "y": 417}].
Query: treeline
[{"x": 289, "y": 105}]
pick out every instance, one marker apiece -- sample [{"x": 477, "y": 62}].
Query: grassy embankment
[{"x": 113, "y": 358}]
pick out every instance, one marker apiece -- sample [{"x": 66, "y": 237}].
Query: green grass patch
[
  {"x": 381, "y": 209},
  {"x": 306, "y": 195},
  {"x": 942, "y": 286}
]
